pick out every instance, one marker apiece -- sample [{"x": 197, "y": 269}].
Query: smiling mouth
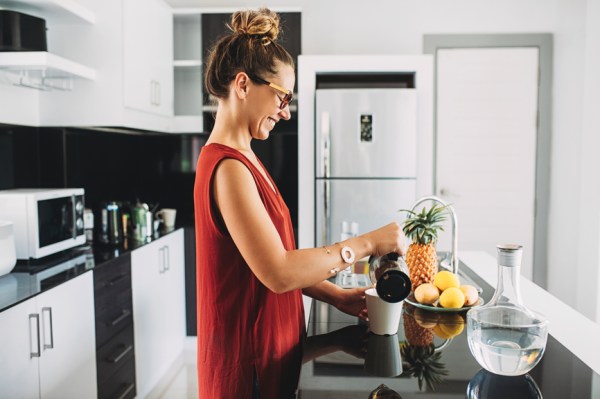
[{"x": 272, "y": 122}]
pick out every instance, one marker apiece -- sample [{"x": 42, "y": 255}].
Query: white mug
[
  {"x": 167, "y": 216},
  {"x": 384, "y": 317}
]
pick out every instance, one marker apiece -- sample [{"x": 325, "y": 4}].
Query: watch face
[{"x": 348, "y": 255}]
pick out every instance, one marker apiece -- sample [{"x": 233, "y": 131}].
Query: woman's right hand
[{"x": 386, "y": 239}]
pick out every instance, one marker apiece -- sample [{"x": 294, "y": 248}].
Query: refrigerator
[{"x": 366, "y": 159}]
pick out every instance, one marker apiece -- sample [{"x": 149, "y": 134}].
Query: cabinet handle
[
  {"x": 158, "y": 93},
  {"x": 125, "y": 313},
  {"x": 161, "y": 260},
  {"x": 152, "y": 92},
  {"x": 167, "y": 258},
  {"x": 126, "y": 391},
  {"x": 114, "y": 358},
  {"x": 35, "y": 316},
  {"x": 51, "y": 329}
]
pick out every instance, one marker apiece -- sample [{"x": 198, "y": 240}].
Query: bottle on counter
[{"x": 504, "y": 335}]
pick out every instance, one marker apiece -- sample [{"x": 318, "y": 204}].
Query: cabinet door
[
  {"x": 174, "y": 298},
  {"x": 19, "y": 348},
  {"x": 148, "y": 56},
  {"x": 158, "y": 308},
  {"x": 68, "y": 360}
]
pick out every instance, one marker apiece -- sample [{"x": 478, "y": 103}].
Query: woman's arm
[{"x": 257, "y": 239}]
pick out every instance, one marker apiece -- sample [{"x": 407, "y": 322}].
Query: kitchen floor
[{"x": 184, "y": 383}]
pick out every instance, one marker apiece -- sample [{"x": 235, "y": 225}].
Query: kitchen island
[{"x": 340, "y": 361}]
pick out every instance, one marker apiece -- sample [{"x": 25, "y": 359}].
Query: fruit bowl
[{"x": 436, "y": 308}]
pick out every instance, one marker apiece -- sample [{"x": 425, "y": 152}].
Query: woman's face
[{"x": 264, "y": 111}]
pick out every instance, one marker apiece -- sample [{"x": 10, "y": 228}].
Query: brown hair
[{"x": 251, "y": 47}]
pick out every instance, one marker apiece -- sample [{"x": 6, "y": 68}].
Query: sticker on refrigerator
[{"x": 366, "y": 128}]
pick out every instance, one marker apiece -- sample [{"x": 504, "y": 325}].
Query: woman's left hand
[{"x": 352, "y": 301}]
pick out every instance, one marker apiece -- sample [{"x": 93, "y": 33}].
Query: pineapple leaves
[{"x": 423, "y": 227}]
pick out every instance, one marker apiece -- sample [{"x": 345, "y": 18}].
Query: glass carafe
[{"x": 505, "y": 336}]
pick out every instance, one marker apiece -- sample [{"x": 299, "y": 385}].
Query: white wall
[{"x": 398, "y": 26}]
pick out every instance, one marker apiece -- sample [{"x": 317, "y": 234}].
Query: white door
[
  {"x": 19, "y": 352},
  {"x": 158, "y": 291},
  {"x": 68, "y": 340},
  {"x": 486, "y": 145}
]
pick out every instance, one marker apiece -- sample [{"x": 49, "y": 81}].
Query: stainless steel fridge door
[
  {"x": 366, "y": 133},
  {"x": 369, "y": 202}
]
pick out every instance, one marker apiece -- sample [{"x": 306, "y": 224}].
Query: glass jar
[{"x": 505, "y": 336}]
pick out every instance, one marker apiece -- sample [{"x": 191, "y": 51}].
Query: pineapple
[
  {"x": 422, "y": 229},
  {"x": 420, "y": 354}
]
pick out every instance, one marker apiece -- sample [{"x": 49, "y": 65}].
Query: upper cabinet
[
  {"x": 148, "y": 75},
  {"x": 129, "y": 47}
]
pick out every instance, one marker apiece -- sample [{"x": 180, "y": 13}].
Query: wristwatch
[{"x": 348, "y": 254}]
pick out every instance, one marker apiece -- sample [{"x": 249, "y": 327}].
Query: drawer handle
[
  {"x": 50, "y": 329},
  {"x": 116, "y": 279},
  {"x": 122, "y": 317},
  {"x": 114, "y": 358},
  {"x": 36, "y": 317},
  {"x": 126, "y": 391}
]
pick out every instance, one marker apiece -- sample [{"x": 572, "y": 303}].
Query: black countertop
[
  {"x": 352, "y": 363},
  {"x": 32, "y": 277}
]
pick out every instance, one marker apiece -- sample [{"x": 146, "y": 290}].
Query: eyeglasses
[{"x": 288, "y": 95}]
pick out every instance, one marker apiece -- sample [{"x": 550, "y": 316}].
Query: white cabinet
[
  {"x": 158, "y": 293},
  {"x": 148, "y": 75},
  {"x": 48, "y": 344},
  {"x": 131, "y": 49},
  {"x": 19, "y": 347}
]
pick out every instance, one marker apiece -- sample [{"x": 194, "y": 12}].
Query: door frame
[{"x": 544, "y": 43}]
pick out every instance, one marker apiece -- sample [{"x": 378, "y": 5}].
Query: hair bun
[{"x": 262, "y": 24}]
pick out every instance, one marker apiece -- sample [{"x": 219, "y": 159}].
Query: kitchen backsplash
[{"x": 124, "y": 166}]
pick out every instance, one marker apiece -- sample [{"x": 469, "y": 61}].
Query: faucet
[{"x": 454, "y": 260}]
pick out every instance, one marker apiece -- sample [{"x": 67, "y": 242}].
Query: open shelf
[
  {"x": 51, "y": 66},
  {"x": 43, "y": 71},
  {"x": 53, "y": 11}
]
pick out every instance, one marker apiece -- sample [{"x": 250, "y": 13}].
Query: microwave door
[
  {"x": 55, "y": 220},
  {"x": 366, "y": 133},
  {"x": 372, "y": 203}
]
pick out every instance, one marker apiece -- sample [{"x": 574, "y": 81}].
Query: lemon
[
  {"x": 427, "y": 293},
  {"x": 471, "y": 294},
  {"x": 425, "y": 318},
  {"x": 449, "y": 330},
  {"x": 445, "y": 279},
  {"x": 452, "y": 298}
]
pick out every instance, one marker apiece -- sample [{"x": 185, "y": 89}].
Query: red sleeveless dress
[{"x": 244, "y": 329}]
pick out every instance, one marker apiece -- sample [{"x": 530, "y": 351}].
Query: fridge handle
[
  {"x": 326, "y": 223},
  {"x": 325, "y": 143},
  {"x": 325, "y": 158}
]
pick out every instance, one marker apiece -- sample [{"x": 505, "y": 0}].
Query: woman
[{"x": 250, "y": 276}]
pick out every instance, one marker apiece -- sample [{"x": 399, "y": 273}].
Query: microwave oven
[{"x": 45, "y": 221}]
